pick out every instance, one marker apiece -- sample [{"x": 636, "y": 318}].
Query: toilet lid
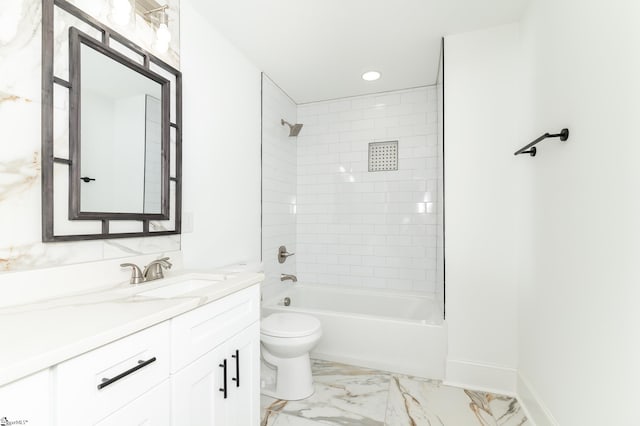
[{"x": 289, "y": 325}]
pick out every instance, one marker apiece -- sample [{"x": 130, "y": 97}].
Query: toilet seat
[{"x": 289, "y": 325}]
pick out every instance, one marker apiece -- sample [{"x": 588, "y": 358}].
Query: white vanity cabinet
[
  {"x": 152, "y": 408},
  {"x": 95, "y": 385},
  {"x": 221, "y": 387},
  {"x": 217, "y": 363},
  {"x": 27, "y": 400},
  {"x": 198, "y": 368}
]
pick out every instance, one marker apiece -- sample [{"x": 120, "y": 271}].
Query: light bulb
[
  {"x": 121, "y": 12},
  {"x": 161, "y": 47},
  {"x": 163, "y": 35}
]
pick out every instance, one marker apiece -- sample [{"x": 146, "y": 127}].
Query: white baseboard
[
  {"x": 483, "y": 377},
  {"x": 536, "y": 411}
]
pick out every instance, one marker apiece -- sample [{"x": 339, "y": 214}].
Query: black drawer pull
[
  {"x": 237, "y": 378},
  {"x": 141, "y": 364},
  {"x": 224, "y": 388}
]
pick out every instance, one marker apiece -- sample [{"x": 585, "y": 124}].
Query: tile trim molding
[
  {"x": 535, "y": 409},
  {"x": 483, "y": 377}
]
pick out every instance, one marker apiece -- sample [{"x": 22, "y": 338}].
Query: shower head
[{"x": 294, "y": 129}]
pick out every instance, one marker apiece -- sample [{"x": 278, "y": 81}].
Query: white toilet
[{"x": 286, "y": 341}]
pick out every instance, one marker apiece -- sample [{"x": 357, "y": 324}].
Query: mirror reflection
[{"x": 121, "y": 137}]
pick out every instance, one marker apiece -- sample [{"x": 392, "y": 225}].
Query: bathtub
[{"x": 386, "y": 330}]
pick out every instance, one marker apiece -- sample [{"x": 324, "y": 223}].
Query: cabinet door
[
  {"x": 152, "y": 408},
  {"x": 197, "y": 332},
  {"x": 244, "y": 386},
  {"x": 27, "y": 401},
  {"x": 196, "y": 394}
]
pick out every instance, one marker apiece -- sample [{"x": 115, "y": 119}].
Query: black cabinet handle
[
  {"x": 141, "y": 364},
  {"x": 86, "y": 179},
  {"x": 224, "y": 388},
  {"x": 237, "y": 378}
]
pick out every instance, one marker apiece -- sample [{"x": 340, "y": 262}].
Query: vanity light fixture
[
  {"x": 158, "y": 16},
  {"x": 371, "y": 76}
]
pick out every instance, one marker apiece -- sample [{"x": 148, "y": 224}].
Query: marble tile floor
[{"x": 347, "y": 395}]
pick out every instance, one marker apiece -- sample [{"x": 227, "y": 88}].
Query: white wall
[
  {"x": 221, "y": 146},
  {"x": 153, "y": 155},
  {"x": 578, "y": 313},
  {"x": 483, "y": 192},
  {"x": 97, "y": 157},
  {"x": 361, "y": 228},
  {"x": 279, "y": 178},
  {"x": 129, "y": 136}
]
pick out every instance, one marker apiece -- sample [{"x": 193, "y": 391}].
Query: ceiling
[{"x": 318, "y": 49}]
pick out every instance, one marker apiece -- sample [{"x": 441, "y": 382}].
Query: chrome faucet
[
  {"x": 136, "y": 273},
  {"x": 284, "y": 277},
  {"x": 153, "y": 271}
]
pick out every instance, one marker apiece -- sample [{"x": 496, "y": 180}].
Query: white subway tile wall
[
  {"x": 278, "y": 185},
  {"x": 361, "y": 228}
]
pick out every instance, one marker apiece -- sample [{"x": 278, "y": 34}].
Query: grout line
[{"x": 386, "y": 406}]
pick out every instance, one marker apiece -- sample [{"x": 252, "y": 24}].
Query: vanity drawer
[
  {"x": 153, "y": 409},
  {"x": 93, "y": 385},
  {"x": 197, "y": 332}
]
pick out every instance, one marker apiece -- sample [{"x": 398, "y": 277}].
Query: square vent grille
[{"x": 383, "y": 156}]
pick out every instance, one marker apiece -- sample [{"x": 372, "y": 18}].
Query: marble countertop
[{"x": 41, "y": 334}]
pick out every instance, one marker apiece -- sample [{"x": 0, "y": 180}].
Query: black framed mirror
[
  {"x": 124, "y": 155},
  {"x": 118, "y": 134}
]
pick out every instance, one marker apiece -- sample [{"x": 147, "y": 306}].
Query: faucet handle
[
  {"x": 283, "y": 254},
  {"x": 154, "y": 270},
  {"x": 136, "y": 273}
]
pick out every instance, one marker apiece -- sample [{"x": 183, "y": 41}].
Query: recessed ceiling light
[{"x": 371, "y": 75}]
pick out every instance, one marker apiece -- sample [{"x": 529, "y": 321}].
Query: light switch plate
[{"x": 187, "y": 222}]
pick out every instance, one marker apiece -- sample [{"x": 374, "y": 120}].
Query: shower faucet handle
[{"x": 283, "y": 254}]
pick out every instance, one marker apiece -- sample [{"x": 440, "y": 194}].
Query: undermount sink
[{"x": 177, "y": 289}]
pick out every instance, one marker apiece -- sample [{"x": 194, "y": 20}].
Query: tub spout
[{"x": 284, "y": 277}]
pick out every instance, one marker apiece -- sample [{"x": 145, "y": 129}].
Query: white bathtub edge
[
  {"x": 308, "y": 311},
  {"x": 435, "y": 318},
  {"x": 535, "y": 409},
  {"x": 482, "y": 377}
]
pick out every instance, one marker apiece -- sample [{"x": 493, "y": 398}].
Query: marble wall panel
[{"x": 20, "y": 108}]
